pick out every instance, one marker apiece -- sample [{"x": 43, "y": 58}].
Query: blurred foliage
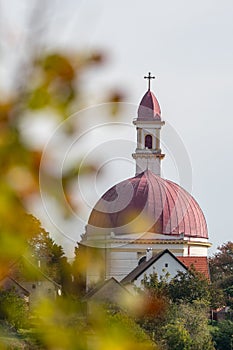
[
  {"x": 79, "y": 265},
  {"x": 13, "y": 309},
  {"x": 16, "y": 229},
  {"x": 63, "y": 324},
  {"x": 117, "y": 330},
  {"x": 47, "y": 83},
  {"x": 50, "y": 256},
  {"x": 51, "y": 83}
]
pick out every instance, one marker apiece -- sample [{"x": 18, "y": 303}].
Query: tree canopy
[
  {"x": 221, "y": 263},
  {"x": 183, "y": 323}
]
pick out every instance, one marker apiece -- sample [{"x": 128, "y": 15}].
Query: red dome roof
[
  {"x": 148, "y": 203},
  {"x": 149, "y": 107}
]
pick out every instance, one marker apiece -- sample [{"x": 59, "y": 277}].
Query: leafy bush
[
  {"x": 13, "y": 309},
  {"x": 222, "y": 335},
  {"x": 177, "y": 337}
]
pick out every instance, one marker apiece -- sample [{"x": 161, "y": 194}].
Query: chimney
[{"x": 149, "y": 254}]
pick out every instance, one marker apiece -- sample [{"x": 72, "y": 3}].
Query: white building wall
[
  {"x": 144, "y": 163},
  {"x": 121, "y": 260},
  {"x": 120, "y": 264},
  {"x": 197, "y": 251},
  {"x": 165, "y": 264},
  {"x": 148, "y": 158}
]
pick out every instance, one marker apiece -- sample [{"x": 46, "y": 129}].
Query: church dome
[
  {"x": 148, "y": 203},
  {"x": 149, "y": 107}
]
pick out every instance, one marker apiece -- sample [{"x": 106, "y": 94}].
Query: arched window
[
  {"x": 148, "y": 141},
  {"x": 142, "y": 259}
]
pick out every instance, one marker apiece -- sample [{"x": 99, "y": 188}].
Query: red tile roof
[{"x": 199, "y": 262}]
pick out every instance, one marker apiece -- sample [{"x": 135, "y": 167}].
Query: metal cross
[{"x": 149, "y": 79}]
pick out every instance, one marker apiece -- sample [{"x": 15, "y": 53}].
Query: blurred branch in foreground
[{"x": 47, "y": 88}]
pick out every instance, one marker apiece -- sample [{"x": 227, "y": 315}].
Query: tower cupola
[
  {"x": 148, "y": 123},
  {"x": 149, "y": 108}
]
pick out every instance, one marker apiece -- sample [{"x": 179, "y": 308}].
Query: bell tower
[{"x": 148, "y": 123}]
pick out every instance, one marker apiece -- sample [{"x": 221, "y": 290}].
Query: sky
[{"x": 188, "y": 47}]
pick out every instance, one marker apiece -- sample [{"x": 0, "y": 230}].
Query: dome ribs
[
  {"x": 157, "y": 208},
  {"x": 197, "y": 219},
  {"x": 172, "y": 219},
  {"x": 186, "y": 229},
  {"x": 142, "y": 187},
  {"x": 192, "y": 219},
  {"x": 148, "y": 203}
]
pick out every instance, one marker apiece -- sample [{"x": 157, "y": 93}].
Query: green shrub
[{"x": 13, "y": 309}]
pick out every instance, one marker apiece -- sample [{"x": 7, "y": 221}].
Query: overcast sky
[{"x": 187, "y": 45}]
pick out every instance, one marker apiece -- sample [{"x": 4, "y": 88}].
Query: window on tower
[{"x": 148, "y": 141}]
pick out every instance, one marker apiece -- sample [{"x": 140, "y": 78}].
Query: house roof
[
  {"x": 42, "y": 273},
  {"x": 36, "y": 268},
  {"x": 26, "y": 292},
  {"x": 199, "y": 262},
  {"x": 19, "y": 285},
  {"x": 101, "y": 285},
  {"x": 144, "y": 265}
]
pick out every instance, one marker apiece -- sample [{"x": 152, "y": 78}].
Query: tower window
[{"x": 148, "y": 141}]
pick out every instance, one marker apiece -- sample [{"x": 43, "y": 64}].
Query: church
[{"x": 145, "y": 223}]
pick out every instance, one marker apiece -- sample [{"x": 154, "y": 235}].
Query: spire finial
[{"x": 149, "y": 79}]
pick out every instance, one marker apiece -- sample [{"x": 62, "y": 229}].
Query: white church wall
[
  {"x": 197, "y": 251},
  {"x": 120, "y": 264},
  {"x": 144, "y": 163}
]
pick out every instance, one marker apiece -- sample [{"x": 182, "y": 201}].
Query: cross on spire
[{"x": 149, "y": 77}]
